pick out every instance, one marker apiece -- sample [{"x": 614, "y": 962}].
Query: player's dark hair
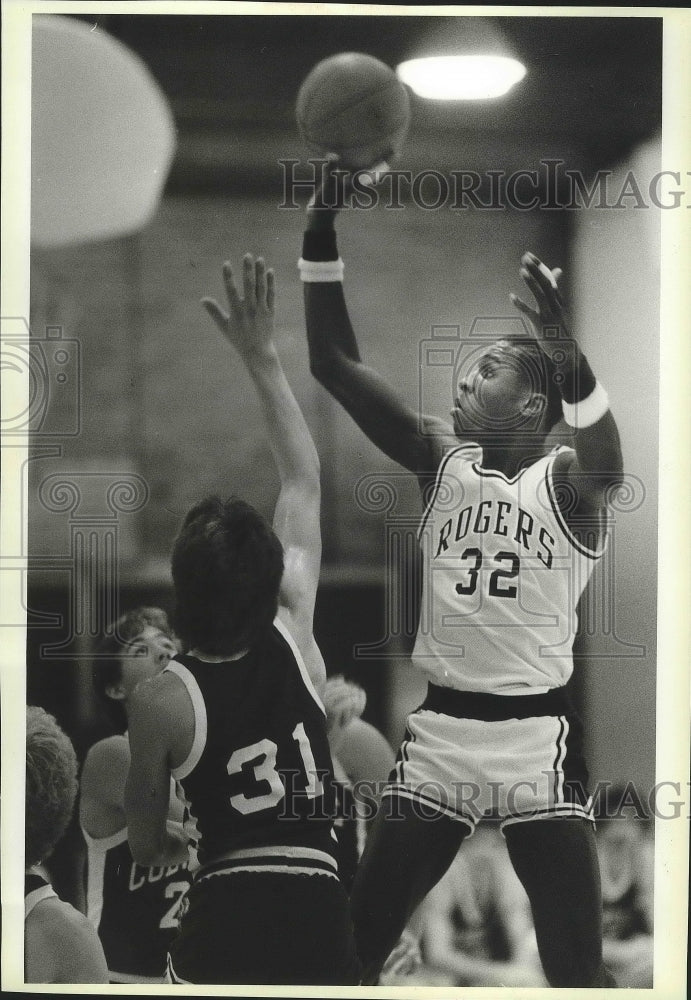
[
  {"x": 543, "y": 371},
  {"x": 51, "y": 784},
  {"x": 227, "y": 566},
  {"x": 106, "y": 667}
]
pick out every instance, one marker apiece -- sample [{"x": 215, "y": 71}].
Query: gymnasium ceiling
[{"x": 592, "y": 91}]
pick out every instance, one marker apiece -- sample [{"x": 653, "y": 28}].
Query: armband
[
  {"x": 587, "y": 411},
  {"x": 320, "y": 270}
]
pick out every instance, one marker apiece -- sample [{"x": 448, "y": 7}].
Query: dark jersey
[
  {"x": 134, "y": 909},
  {"x": 258, "y": 780}
]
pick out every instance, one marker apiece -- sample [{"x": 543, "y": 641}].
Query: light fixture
[
  {"x": 461, "y": 78},
  {"x": 462, "y": 59}
]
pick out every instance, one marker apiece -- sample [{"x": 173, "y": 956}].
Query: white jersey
[{"x": 502, "y": 577}]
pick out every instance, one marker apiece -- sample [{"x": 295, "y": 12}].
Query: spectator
[{"x": 60, "y": 945}]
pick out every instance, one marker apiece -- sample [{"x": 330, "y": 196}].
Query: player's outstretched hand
[
  {"x": 337, "y": 186},
  {"x": 548, "y": 320},
  {"x": 343, "y": 701},
  {"x": 249, "y": 322}
]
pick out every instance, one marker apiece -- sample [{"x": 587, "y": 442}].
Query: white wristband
[
  {"x": 587, "y": 411},
  {"x": 321, "y": 270}
]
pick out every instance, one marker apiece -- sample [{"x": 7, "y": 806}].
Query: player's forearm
[
  {"x": 289, "y": 437},
  {"x": 330, "y": 336},
  {"x": 152, "y": 840},
  {"x": 335, "y": 361},
  {"x": 586, "y": 408}
]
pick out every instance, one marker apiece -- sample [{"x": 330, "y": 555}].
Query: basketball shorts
[
  {"x": 265, "y": 928},
  {"x": 513, "y": 758}
]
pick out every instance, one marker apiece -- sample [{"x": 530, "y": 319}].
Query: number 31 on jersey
[{"x": 265, "y": 771}]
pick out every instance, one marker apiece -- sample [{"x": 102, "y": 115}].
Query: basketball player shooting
[{"x": 510, "y": 535}]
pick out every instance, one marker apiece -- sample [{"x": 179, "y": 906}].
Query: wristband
[
  {"x": 579, "y": 382},
  {"x": 587, "y": 411},
  {"x": 320, "y": 270}
]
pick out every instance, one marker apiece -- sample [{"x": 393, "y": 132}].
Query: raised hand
[
  {"x": 343, "y": 701},
  {"x": 249, "y": 322},
  {"x": 548, "y": 320},
  {"x": 336, "y": 186}
]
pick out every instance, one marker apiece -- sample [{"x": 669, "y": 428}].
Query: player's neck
[{"x": 509, "y": 459}]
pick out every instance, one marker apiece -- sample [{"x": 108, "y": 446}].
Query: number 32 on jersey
[{"x": 508, "y": 566}]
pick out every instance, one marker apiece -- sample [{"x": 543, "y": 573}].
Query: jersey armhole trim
[
  {"x": 104, "y": 843},
  {"x": 561, "y": 521},
  {"x": 200, "y": 720},
  {"x": 304, "y": 672},
  {"x": 37, "y": 896},
  {"x": 437, "y": 482}
]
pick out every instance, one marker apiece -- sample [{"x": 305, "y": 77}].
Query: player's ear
[
  {"x": 116, "y": 690},
  {"x": 536, "y": 404}
]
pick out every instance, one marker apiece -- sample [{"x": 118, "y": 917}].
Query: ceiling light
[{"x": 461, "y": 78}]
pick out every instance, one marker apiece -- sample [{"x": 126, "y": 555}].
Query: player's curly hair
[
  {"x": 227, "y": 565},
  {"x": 543, "y": 372},
  {"x": 51, "y": 784},
  {"x": 106, "y": 668}
]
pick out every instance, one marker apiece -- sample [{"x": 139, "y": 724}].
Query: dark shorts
[{"x": 265, "y": 928}]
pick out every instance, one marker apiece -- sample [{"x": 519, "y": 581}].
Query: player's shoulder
[
  {"x": 102, "y": 786},
  {"x": 58, "y": 923},
  {"x": 161, "y": 694},
  {"x": 112, "y": 751},
  {"x": 161, "y": 710},
  {"x": 64, "y": 940},
  {"x": 460, "y": 452}
]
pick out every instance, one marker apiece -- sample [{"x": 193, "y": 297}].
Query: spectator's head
[
  {"x": 51, "y": 784},
  {"x": 227, "y": 567},
  {"x": 140, "y": 645}
]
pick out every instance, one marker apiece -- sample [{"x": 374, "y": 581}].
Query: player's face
[
  {"x": 147, "y": 654},
  {"x": 495, "y": 391}
]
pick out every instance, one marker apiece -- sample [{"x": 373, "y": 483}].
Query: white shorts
[{"x": 513, "y": 769}]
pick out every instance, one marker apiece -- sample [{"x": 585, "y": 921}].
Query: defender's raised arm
[{"x": 249, "y": 326}]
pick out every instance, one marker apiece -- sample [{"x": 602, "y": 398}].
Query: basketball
[{"x": 355, "y": 106}]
